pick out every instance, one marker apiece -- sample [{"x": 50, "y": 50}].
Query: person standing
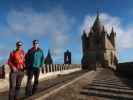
[
  {"x": 16, "y": 63},
  {"x": 34, "y": 62}
]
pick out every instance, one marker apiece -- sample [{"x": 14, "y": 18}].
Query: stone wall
[{"x": 126, "y": 69}]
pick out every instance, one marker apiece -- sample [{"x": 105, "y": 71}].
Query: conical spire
[
  {"x": 112, "y": 37},
  {"x": 112, "y": 32},
  {"x": 97, "y": 25},
  {"x": 84, "y": 34},
  {"x": 91, "y": 32},
  {"x": 103, "y": 30},
  {"x": 97, "y": 14},
  {"x": 67, "y": 50},
  {"x": 49, "y": 54},
  {"x": 48, "y": 59}
]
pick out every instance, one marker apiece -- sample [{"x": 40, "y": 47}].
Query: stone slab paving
[
  {"x": 71, "y": 90},
  {"x": 103, "y": 84},
  {"x": 108, "y": 85}
]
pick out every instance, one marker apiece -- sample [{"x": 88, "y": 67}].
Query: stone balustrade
[
  {"x": 60, "y": 67},
  {"x": 48, "y": 69}
]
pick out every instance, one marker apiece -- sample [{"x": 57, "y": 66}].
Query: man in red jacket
[{"x": 16, "y": 64}]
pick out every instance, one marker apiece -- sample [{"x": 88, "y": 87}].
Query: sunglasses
[
  {"x": 35, "y": 43},
  {"x": 19, "y": 45}
]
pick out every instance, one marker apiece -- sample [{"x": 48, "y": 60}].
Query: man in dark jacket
[{"x": 34, "y": 62}]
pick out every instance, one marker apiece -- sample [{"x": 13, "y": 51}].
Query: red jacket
[{"x": 17, "y": 59}]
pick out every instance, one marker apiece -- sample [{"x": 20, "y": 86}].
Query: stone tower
[
  {"x": 98, "y": 47},
  {"x": 67, "y": 57},
  {"x": 48, "y": 59}
]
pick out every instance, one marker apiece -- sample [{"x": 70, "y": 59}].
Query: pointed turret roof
[
  {"x": 112, "y": 37},
  {"x": 97, "y": 23},
  {"x": 84, "y": 34},
  {"x": 49, "y": 54},
  {"x": 67, "y": 51},
  {"x": 103, "y": 30},
  {"x": 112, "y": 32},
  {"x": 48, "y": 59}
]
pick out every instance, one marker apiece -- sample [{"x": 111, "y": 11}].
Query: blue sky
[{"x": 58, "y": 24}]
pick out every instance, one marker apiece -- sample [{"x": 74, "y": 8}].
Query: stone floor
[
  {"x": 110, "y": 86},
  {"x": 101, "y": 85},
  {"x": 72, "y": 91},
  {"x": 47, "y": 84}
]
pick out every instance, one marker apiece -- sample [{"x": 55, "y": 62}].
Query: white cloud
[
  {"x": 55, "y": 24},
  {"x": 38, "y": 23}
]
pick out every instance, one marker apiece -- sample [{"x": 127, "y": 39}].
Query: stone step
[
  {"x": 115, "y": 96},
  {"x": 112, "y": 86},
  {"x": 107, "y": 77},
  {"x": 110, "y": 78},
  {"x": 108, "y": 83},
  {"x": 116, "y": 90},
  {"x": 107, "y": 80}
]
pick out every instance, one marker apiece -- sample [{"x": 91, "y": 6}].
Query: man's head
[
  {"x": 19, "y": 44},
  {"x": 35, "y": 43}
]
